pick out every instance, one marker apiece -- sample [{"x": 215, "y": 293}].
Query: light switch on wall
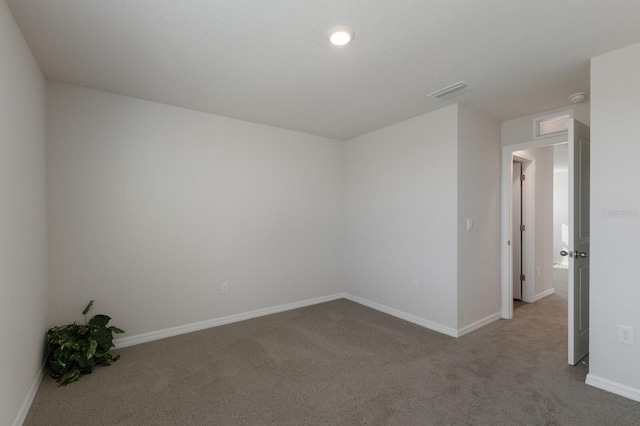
[{"x": 469, "y": 224}]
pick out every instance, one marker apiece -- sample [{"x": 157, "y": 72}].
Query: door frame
[{"x": 506, "y": 280}]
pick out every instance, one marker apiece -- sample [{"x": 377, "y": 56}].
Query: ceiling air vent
[
  {"x": 550, "y": 126},
  {"x": 451, "y": 91}
]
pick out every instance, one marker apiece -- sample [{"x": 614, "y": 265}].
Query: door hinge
[
  {"x": 522, "y": 228},
  {"x": 521, "y": 277},
  {"x": 522, "y": 177}
]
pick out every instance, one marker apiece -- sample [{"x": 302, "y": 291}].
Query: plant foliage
[{"x": 75, "y": 349}]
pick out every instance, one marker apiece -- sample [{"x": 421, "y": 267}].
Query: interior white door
[
  {"x": 516, "y": 221},
  {"x": 579, "y": 177}
]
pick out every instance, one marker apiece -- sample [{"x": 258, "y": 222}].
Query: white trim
[
  {"x": 613, "y": 387},
  {"x": 188, "y": 328},
  {"x": 405, "y": 316},
  {"x": 478, "y": 324},
  {"x": 26, "y": 405},
  {"x": 544, "y": 294},
  {"x": 522, "y": 158},
  {"x": 506, "y": 262}
]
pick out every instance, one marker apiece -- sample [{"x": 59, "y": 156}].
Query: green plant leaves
[
  {"x": 99, "y": 321},
  {"x": 88, "y": 308},
  {"x": 93, "y": 345},
  {"x": 103, "y": 337},
  {"x": 75, "y": 349}
]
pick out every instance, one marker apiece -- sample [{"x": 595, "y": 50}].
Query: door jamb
[{"x": 529, "y": 218}]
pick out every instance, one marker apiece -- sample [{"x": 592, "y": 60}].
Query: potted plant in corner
[{"x": 75, "y": 349}]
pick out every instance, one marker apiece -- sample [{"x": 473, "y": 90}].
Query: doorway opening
[
  {"x": 539, "y": 221},
  {"x": 534, "y": 155},
  {"x": 542, "y": 257}
]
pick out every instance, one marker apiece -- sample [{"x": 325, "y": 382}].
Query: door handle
[{"x": 574, "y": 254}]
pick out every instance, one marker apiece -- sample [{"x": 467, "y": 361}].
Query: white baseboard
[
  {"x": 405, "y": 316},
  {"x": 544, "y": 294},
  {"x": 188, "y": 328},
  {"x": 613, "y": 387},
  {"x": 24, "y": 410},
  {"x": 478, "y": 324}
]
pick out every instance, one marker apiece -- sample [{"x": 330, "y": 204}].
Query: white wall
[
  {"x": 615, "y": 286},
  {"x": 152, "y": 207},
  {"x": 478, "y": 199},
  {"x": 23, "y": 267},
  {"x": 401, "y": 216}
]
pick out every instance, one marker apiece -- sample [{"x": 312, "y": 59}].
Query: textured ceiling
[{"x": 270, "y": 62}]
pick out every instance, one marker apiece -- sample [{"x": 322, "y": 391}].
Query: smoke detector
[
  {"x": 576, "y": 98},
  {"x": 451, "y": 91}
]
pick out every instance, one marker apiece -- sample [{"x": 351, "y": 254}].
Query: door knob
[{"x": 574, "y": 254}]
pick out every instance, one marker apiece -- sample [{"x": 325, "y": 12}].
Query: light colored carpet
[{"x": 340, "y": 363}]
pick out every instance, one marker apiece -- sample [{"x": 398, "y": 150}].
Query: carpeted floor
[{"x": 340, "y": 363}]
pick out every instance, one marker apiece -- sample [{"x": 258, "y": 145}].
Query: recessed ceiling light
[{"x": 340, "y": 35}]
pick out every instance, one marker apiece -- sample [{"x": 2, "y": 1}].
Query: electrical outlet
[
  {"x": 414, "y": 286},
  {"x": 224, "y": 288},
  {"x": 625, "y": 335}
]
